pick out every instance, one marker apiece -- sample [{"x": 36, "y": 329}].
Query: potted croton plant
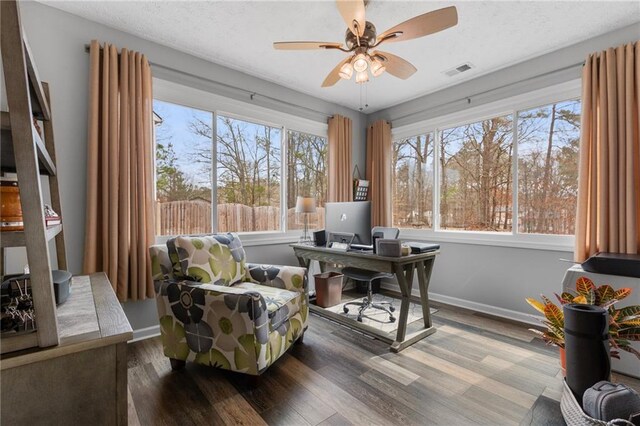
[{"x": 624, "y": 323}]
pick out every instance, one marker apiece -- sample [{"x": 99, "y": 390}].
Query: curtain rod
[
  {"x": 467, "y": 99},
  {"x": 252, "y": 94}
]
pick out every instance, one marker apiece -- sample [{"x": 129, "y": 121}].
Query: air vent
[{"x": 459, "y": 69}]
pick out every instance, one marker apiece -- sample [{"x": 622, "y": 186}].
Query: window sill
[
  {"x": 253, "y": 239},
  {"x": 564, "y": 243}
]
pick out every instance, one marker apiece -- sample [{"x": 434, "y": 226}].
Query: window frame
[
  {"x": 190, "y": 97},
  {"x": 513, "y": 105}
]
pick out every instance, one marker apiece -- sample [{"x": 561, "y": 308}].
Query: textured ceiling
[{"x": 238, "y": 34}]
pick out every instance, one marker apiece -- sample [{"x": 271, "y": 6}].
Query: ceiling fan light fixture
[
  {"x": 360, "y": 62},
  {"x": 361, "y": 35},
  {"x": 362, "y": 77},
  {"x": 346, "y": 71},
  {"x": 377, "y": 67}
]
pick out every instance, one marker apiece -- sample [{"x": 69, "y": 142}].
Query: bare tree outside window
[
  {"x": 248, "y": 176},
  {"x": 412, "y": 174},
  {"x": 306, "y": 176},
  {"x": 475, "y": 176},
  {"x": 548, "y": 141}
]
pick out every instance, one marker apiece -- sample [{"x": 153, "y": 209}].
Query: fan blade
[
  {"x": 305, "y": 45},
  {"x": 334, "y": 76},
  {"x": 395, "y": 65},
  {"x": 421, "y": 25},
  {"x": 353, "y": 10}
]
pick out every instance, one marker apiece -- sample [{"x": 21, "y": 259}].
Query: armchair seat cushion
[{"x": 281, "y": 304}]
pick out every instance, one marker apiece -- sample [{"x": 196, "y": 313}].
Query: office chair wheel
[
  {"x": 392, "y": 309},
  {"x": 345, "y": 309},
  {"x": 392, "y": 319}
]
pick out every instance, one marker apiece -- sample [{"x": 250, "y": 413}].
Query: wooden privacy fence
[
  {"x": 183, "y": 217},
  {"x": 194, "y": 217}
]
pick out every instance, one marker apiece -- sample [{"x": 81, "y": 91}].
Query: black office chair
[{"x": 369, "y": 276}]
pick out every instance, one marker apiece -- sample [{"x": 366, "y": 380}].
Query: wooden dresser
[{"x": 83, "y": 380}]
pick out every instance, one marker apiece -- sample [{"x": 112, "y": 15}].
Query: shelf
[
  {"x": 91, "y": 318},
  {"x": 39, "y": 104},
  {"x": 7, "y": 158},
  {"x": 16, "y": 238}
]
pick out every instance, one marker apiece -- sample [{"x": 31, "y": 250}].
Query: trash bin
[{"x": 328, "y": 288}]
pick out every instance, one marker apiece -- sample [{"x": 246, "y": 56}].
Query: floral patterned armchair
[{"x": 216, "y": 309}]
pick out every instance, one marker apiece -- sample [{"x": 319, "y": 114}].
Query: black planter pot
[{"x": 586, "y": 329}]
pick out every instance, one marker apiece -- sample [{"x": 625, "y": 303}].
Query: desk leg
[
  {"x": 405, "y": 281},
  {"x": 424, "y": 277},
  {"x": 304, "y": 262}
]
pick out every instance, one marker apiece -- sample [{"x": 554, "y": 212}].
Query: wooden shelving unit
[{"x": 26, "y": 153}]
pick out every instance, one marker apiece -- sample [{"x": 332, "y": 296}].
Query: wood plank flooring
[{"x": 473, "y": 370}]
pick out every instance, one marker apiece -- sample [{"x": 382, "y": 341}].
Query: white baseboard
[
  {"x": 474, "y": 306},
  {"x": 145, "y": 333}
]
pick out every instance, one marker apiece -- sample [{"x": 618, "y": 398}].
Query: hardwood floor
[{"x": 473, "y": 370}]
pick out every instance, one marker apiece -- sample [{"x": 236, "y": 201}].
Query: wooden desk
[{"x": 404, "y": 269}]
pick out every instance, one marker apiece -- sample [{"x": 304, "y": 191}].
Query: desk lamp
[{"x": 306, "y": 205}]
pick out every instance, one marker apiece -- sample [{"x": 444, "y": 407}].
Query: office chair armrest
[{"x": 293, "y": 278}]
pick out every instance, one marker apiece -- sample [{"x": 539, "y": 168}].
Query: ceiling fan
[{"x": 361, "y": 36}]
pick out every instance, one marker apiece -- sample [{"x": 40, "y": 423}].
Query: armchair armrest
[
  {"x": 194, "y": 303},
  {"x": 293, "y": 278}
]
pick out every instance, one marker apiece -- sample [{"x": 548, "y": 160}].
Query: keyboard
[{"x": 363, "y": 247}]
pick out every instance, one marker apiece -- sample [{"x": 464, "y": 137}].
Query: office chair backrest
[{"x": 387, "y": 233}]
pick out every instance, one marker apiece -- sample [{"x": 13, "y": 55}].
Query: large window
[
  {"x": 413, "y": 182},
  {"x": 481, "y": 176},
  {"x": 248, "y": 176},
  {"x": 548, "y": 139},
  {"x": 475, "y": 183},
  {"x": 245, "y": 159}
]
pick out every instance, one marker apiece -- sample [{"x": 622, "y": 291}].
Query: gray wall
[{"x": 494, "y": 279}]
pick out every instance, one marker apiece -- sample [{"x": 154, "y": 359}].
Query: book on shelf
[{"x": 52, "y": 221}]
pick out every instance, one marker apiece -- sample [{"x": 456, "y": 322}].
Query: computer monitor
[{"x": 352, "y": 217}]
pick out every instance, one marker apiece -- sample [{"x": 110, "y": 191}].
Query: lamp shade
[{"x": 306, "y": 205}]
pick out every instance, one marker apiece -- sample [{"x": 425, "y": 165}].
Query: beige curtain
[
  {"x": 120, "y": 219},
  {"x": 608, "y": 216},
  {"x": 340, "y": 176},
  {"x": 379, "y": 172}
]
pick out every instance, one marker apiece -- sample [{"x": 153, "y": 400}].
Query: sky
[{"x": 175, "y": 125}]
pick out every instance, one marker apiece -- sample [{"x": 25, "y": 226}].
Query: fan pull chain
[
  {"x": 363, "y": 86},
  {"x": 366, "y": 97}
]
